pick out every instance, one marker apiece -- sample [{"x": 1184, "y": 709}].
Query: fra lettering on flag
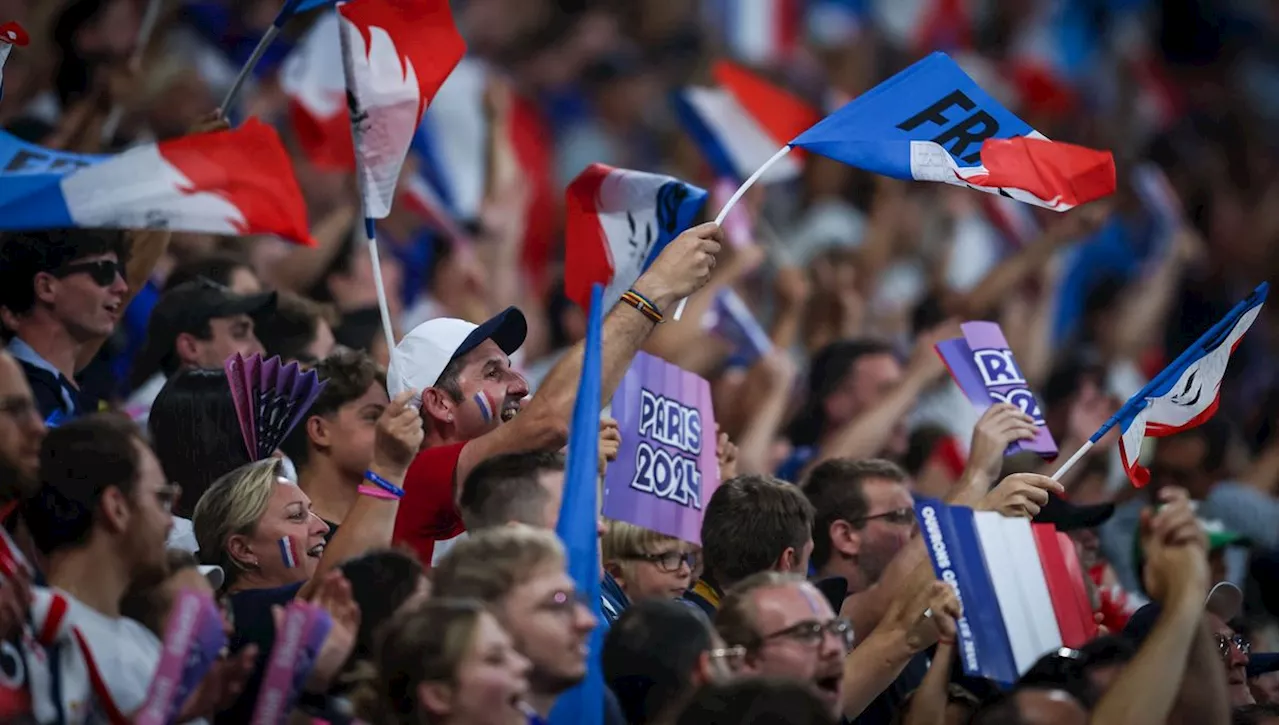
[
  {"x": 617, "y": 222},
  {"x": 1019, "y": 585},
  {"x": 235, "y": 182},
  {"x": 396, "y": 54},
  {"x": 932, "y": 122},
  {"x": 982, "y": 365},
  {"x": 666, "y": 469}
]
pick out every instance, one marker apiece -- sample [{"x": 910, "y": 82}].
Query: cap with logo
[
  {"x": 423, "y": 354},
  {"x": 188, "y": 308}
]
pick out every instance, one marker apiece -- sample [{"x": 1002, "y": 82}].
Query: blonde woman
[
  {"x": 647, "y": 564},
  {"x": 448, "y": 662}
]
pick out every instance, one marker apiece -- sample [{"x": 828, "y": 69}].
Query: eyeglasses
[
  {"x": 670, "y": 561},
  {"x": 1225, "y": 643},
  {"x": 103, "y": 272},
  {"x": 731, "y": 656},
  {"x": 167, "y": 496},
  {"x": 900, "y": 517},
  {"x": 810, "y": 633}
]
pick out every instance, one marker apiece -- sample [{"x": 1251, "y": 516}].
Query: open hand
[
  {"x": 1020, "y": 495},
  {"x": 726, "y": 455}
]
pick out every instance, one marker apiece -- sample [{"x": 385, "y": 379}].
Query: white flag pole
[
  {"x": 728, "y": 205},
  {"x": 383, "y": 309},
  {"x": 1072, "y": 461}
]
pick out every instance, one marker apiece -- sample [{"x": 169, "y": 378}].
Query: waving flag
[
  {"x": 579, "y": 512},
  {"x": 617, "y": 222},
  {"x": 731, "y": 141},
  {"x": 312, "y": 79},
  {"x": 290, "y": 9},
  {"x": 228, "y": 182},
  {"x": 757, "y": 31},
  {"x": 781, "y": 114},
  {"x": 11, "y": 34},
  {"x": 731, "y": 319},
  {"x": 451, "y": 142},
  {"x": 396, "y": 54},
  {"x": 1014, "y": 581}
]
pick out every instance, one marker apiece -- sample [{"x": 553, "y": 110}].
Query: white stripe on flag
[
  {"x": 1035, "y": 590},
  {"x": 1004, "y": 579},
  {"x": 741, "y": 136}
]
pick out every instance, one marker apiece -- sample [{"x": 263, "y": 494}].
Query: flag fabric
[
  {"x": 420, "y": 197},
  {"x": 1184, "y": 394},
  {"x": 1014, "y": 581},
  {"x": 780, "y": 113},
  {"x": 921, "y": 26},
  {"x": 396, "y": 54},
  {"x": 731, "y": 320},
  {"x": 236, "y": 182},
  {"x": 932, "y": 122},
  {"x": 312, "y": 79},
  {"x": 11, "y": 34},
  {"x": 294, "y": 7},
  {"x": 617, "y": 222},
  {"x": 579, "y": 512},
  {"x": 731, "y": 141},
  {"x": 759, "y": 32},
  {"x": 451, "y": 142}
]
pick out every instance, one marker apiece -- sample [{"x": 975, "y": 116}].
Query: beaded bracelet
[
  {"x": 376, "y": 492},
  {"x": 383, "y": 484},
  {"x": 644, "y": 304}
]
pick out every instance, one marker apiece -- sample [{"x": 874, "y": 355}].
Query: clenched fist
[
  {"x": 683, "y": 267},
  {"x": 399, "y": 435}
]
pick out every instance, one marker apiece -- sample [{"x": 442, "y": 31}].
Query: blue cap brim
[
  {"x": 507, "y": 329},
  {"x": 1262, "y": 663}
]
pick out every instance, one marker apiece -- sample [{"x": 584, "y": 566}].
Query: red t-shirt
[{"x": 428, "y": 512}]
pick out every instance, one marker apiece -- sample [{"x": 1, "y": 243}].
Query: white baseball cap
[{"x": 419, "y": 358}]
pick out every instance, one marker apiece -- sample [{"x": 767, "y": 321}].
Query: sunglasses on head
[{"x": 103, "y": 272}]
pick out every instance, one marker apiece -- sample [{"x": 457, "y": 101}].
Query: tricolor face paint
[
  {"x": 485, "y": 405},
  {"x": 289, "y": 553}
]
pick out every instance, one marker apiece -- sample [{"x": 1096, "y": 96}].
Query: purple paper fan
[
  {"x": 242, "y": 398},
  {"x": 276, "y": 397}
]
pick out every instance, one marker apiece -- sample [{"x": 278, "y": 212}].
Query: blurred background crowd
[{"x": 853, "y": 277}]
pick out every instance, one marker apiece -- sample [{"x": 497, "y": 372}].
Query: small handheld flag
[
  {"x": 1180, "y": 397},
  {"x": 270, "y": 399},
  {"x": 584, "y": 704},
  {"x": 617, "y": 222},
  {"x": 235, "y": 182},
  {"x": 291, "y": 8},
  {"x": 11, "y": 34},
  {"x": 311, "y": 77},
  {"x": 395, "y": 56}
]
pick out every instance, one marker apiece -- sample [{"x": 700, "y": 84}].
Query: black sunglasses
[
  {"x": 1226, "y": 643},
  {"x": 103, "y": 272}
]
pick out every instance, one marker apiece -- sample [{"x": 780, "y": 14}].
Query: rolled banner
[
  {"x": 193, "y": 640},
  {"x": 298, "y": 641}
]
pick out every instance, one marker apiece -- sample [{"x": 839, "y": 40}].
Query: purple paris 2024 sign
[
  {"x": 982, "y": 365},
  {"x": 666, "y": 469}
]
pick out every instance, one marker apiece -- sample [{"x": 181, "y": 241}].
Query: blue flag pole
[
  {"x": 291, "y": 8},
  {"x": 1139, "y": 399},
  {"x": 579, "y": 512}
]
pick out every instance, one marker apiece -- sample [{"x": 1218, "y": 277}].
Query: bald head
[{"x": 21, "y": 429}]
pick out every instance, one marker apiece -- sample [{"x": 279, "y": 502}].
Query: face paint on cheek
[
  {"x": 485, "y": 406},
  {"x": 289, "y": 552}
]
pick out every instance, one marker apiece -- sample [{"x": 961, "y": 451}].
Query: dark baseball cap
[
  {"x": 1066, "y": 516},
  {"x": 188, "y": 308}
]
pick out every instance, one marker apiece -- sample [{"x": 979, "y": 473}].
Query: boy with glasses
[{"x": 647, "y": 564}]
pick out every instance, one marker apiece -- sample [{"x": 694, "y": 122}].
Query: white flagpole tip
[
  {"x": 1072, "y": 461},
  {"x": 728, "y": 205}
]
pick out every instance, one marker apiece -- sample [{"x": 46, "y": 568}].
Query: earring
[{"x": 451, "y": 417}]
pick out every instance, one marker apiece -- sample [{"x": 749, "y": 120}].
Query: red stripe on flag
[
  {"x": 1070, "y": 623},
  {"x": 1076, "y": 575},
  {"x": 1138, "y": 475},
  {"x": 782, "y": 115},
  {"x": 52, "y": 620},
  {"x": 587, "y": 259},
  {"x": 1050, "y": 170},
  {"x": 326, "y": 142}
]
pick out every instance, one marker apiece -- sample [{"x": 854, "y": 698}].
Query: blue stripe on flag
[
  {"x": 688, "y": 200},
  {"x": 705, "y": 138}
]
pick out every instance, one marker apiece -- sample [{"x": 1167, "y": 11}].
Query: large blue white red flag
[
  {"x": 228, "y": 182},
  {"x": 1185, "y": 394},
  {"x": 452, "y": 140},
  {"x": 617, "y": 222},
  {"x": 11, "y": 34},
  {"x": 1019, "y": 584},
  {"x": 932, "y": 122},
  {"x": 759, "y": 32},
  {"x": 396, "y": 54},
  {"x": 312, "y": 79}
]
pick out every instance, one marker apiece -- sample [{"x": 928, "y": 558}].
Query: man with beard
[
  {"x": 470, "y": 393},
  {"x": 100, "y": 517}
]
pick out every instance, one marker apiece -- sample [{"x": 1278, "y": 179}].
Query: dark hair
[
  {"x": 1068, "y": 669},
  {"x": 143, "y": 601},
  {"x": 359, "y": 328},
  {"x": 756, "y": 701},
  {"x": 834, "y": 488},
  {"x": 381, "y": 581},
  {"x": 748, "y": 523},
  {"x": 649, "y": 680},
  {"x": 23, "y": 255},
  {"x": 448, "y": 380},
  {"x": 1002, "y": 710},
  {"x": 195, "y": 433},
  {"x": 78, "y": 462},
  {"x": 347, "y": 375},
  {"x": 292, "y": 328},
  {"x": 1217, "y": 434},
  {"x": 1253, "y": 714},
  {"x": 829, "y": 368},
  {"x": 506, "y": 488},
  {"x": 217, "y": 268}
]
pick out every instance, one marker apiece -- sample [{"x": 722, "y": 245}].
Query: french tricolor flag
[
  {"x": 617, "y": 222},
  {"x": 759, "y": 32},
  {"x": 740, "y": 124},
  {"x": 236, "y": 182},
  {"x": 312, "y": 79},
  {"x": 11, "y": 34},
  {"x": 932, "y": 122},
  {"x": 1020, "y": 585}
]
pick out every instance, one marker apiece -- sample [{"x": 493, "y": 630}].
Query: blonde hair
[
  {"x": 233, "y": 505},
  {"x": 623, "y": 540},
  {"x": 425, "y": 644},
  {"x": 489, "y": 564}
]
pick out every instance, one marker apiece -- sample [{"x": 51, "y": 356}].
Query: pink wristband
[{"x": 376, "y": 492}]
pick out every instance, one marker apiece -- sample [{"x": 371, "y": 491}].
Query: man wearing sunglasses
[{"x": 63, "y": 292}]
